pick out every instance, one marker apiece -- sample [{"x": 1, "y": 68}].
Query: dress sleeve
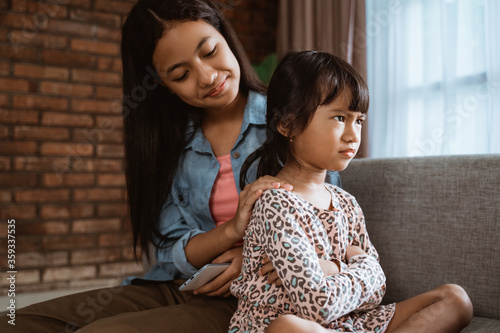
[
  {"x": 367, "y": 263},
  {"x": 316, "y": 297}
]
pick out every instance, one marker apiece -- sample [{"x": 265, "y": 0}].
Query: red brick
[
  {"x": 18, "y": 53},
  {"x": 40, "y": 133},
  {"x": 97, "y": 137},
  {"x": 111, "y": 180},
  {"x": 109, "y": 64},
  {"x": 109, "y": 34},
  {"x": 4, "y": 100},
  {"x": 15, "y": 20},
  {"x": 4, "y": 68},
  {"x": 8, "y": 84},
  {"x": 41, "y": 72},
  {"x": 4, "y": 163},
  {"x": 4, "y": 132},
  {"x": 92, "y": 106},
  {"x": 70, "y": 59},
  {"x": 110, "y": 150},
  {"x": 18, "y": 180},
  {"x": 21, "y": 212},
  {"x": 72, "y": 28},
  {"x": 22, "y": 277},
  {"x": 69, "y": 242},
  {"x": 18, "y": 116},
  {"x": 19, "y": 148},
  {"x": 41, "y": 287},
  {"x": 40, "y": 102},
  {"x": 28, "y": 243},
  {"x": 114, "y": 6},
  {"x": 51, "y": 41},
  {"x": 98, "y": 194},
  {"x": 51, "y": 9},
  {"x": 37, "y": 259},
  {"x": 120, "y": 269},
  {"x": 69, "y": 273},
  {"x": 66, "y": 211},
  {"x": 67, "y": 119},
  {"x": 94, "y": 256},
  {"x": 98, "y": 18},
  {"x": 81, "y": 3},
  {"x": 109, "y": 122},
  {"x": 108, "y": 92},
  {"x": 95, "y": 226},
  {"x": 112, "y": 210},
  {"x": 35, "y": 163},
  {"x": 98, "y": 165},
  {"x": 72, "y": 149},
  {"x": 73, "y": 180},
  {"x": 66, "y": 89},
  {"x": 128, "y": 253},
  {"x": 6, "y": 196},
  {"x": 97, "y": 47},
  {"x": 40, "y": 195},
  {"x": 43, "y": 228},
  {"x": 96, "y": 77},
  {"x": 115, "y": 239}
]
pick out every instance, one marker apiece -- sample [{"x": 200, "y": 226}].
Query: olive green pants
[{"x": 151, "y": 307}]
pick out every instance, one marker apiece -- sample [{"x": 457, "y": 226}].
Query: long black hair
[
  {"x": 301, "y": 83},
  {"x": 155, "y": 121}
]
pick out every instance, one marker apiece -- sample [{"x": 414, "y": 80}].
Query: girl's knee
[
  {"x": 292, "y": 324},
  {"x": 455, "y": 296}
]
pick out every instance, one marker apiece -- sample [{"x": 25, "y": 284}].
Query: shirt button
[
  {"x": 181, "y": 198},
  {"x": 236, "y": 154}
]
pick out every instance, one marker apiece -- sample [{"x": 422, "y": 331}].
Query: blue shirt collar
[{"x": 253, "y": 114}]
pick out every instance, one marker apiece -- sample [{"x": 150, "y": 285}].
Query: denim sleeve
[
  {"x": 172, "y": 257},
  {"x": 333, "y": 177}
]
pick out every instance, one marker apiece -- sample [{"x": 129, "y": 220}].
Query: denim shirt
[{"x": 186, "y": 212}]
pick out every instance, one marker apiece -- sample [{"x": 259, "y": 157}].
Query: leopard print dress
[{"x": 294, "y": 234}]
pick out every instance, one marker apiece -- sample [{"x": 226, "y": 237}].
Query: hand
[
  {"x": 329, "y": 267},
  {"x": 352, "y": 251},
  {"x": 247, "y": 199},
  {"x": 268, "y": 268},
  {"x": 221, "y": 284}
]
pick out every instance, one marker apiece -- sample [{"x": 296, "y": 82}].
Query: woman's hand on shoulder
[
  {"x": 221, "y": 284},
  {"x": 247, "y": 199}
]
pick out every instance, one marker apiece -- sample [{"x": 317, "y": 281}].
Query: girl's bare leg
[
  {"x": 444, "y": 309},
  {"x": 292, "y": 324}
]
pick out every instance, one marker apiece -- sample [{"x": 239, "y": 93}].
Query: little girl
[{"x": 329, "y": 277}]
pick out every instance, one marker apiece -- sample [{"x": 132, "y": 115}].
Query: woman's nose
[{"x": 206, "y": 76}]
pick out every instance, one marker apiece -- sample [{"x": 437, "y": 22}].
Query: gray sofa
[{"x": 435, "y": 220}]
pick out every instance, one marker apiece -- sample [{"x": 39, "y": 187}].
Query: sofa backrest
[{"x": 433, "y": 220}]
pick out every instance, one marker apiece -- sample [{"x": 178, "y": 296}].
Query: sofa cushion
[{"x": 433, "y": 220}]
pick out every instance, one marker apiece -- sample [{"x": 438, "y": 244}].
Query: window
[{"x": 434, "y": 77}]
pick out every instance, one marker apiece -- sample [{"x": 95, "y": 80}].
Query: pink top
[{"x": 223, "y": 201}]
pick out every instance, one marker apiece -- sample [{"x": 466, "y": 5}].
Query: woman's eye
[
  {"x": 339, "y": 118},
  {"x": 179, "y": 79},
  {"x": 211, "y": 53}
]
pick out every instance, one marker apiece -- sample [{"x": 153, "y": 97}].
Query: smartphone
[{"x": 204, "y": 275}]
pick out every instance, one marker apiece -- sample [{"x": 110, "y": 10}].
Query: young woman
[
  {"x": 193, "y": 111},
  {"x": 315, "y": 236}
]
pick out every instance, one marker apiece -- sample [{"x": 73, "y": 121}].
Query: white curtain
[{"x": 434, "y": 77}]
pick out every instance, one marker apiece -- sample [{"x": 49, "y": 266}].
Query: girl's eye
[
  {"x": 359, "y": 121},
  {"x": 211, "y": 53},
  {"x": 339, "y": 118},
  {"x": 179, "y": 79}
]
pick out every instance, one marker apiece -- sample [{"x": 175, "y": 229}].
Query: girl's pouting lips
[{"x": 348, "y": 152}]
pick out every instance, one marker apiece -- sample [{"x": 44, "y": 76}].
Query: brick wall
[{"x": 61, "y": 153}]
